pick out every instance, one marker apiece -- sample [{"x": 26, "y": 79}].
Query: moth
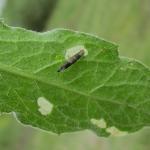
[{"x": 71, "y": 61}]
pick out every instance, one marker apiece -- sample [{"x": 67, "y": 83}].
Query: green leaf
[
  {"x": 130, "y": 30},
  {"x": 102, "y": 92}
]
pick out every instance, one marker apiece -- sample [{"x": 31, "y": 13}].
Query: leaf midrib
[{"x": 18, "y": 72}]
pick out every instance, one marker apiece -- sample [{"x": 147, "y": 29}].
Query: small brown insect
[{"x": 71, "y": 61}]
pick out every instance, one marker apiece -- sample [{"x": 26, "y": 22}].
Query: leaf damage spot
[
  {"x": 72, "y": 56},
  {"x": 99, "y": 123},
  {"x": 74, "y": 50},
  {"x": 45, "y": 107},
  {"x": 123, "y": 68},
  {"x": 131, "y": 64},
  {"x": 115, "y": 132}
]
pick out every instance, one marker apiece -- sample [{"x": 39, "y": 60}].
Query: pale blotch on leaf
[
  {"x": 131, "y": 64},
  {"x": 45, "y": 107},
  {"x": 115, "y": 132},
  {"x": 74, "y": 50},
  {"x": 101, "y": 123},
  {"x": 123, "y": 68}
]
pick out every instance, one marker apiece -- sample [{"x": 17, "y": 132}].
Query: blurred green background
[{"x": 125, "y": 22}]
